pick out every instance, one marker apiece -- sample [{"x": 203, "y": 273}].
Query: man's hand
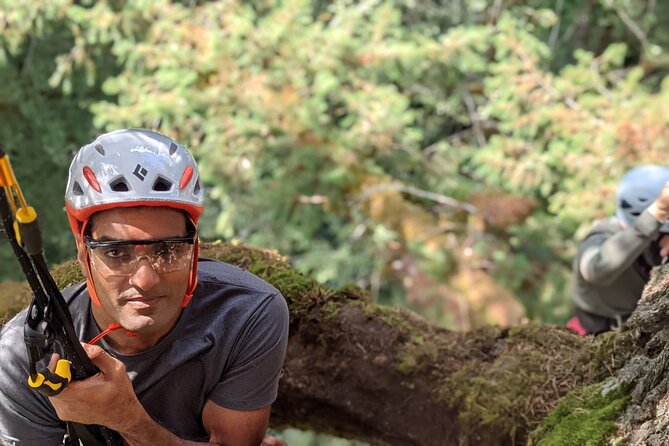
[
  {"x": 106, "y": 398},
  {"x": 660, "y": 207},
  {"x": 664, "y": 246}
]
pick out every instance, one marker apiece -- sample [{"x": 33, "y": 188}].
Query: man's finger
[
  {"x": 53, "y": 361},
  {"x": 99, "y": 357},
  {"x": 664, "y": 246}
]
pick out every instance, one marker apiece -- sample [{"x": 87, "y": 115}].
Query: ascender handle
[{"x": 52, "y": 383}]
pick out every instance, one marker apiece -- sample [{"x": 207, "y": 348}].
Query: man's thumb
[{"x": 98, "y": 356}]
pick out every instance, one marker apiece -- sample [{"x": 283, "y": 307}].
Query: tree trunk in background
[
  {"x": 642, "y": 364},
  {"x": 383, "y": 375}
]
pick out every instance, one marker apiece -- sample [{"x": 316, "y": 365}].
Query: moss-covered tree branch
[{"x": 381, "y": 374}]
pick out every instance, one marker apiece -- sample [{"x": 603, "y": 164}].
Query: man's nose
[{"x": 144, "y": 276}]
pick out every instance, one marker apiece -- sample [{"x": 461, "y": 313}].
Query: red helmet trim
[{"x": 77, "y": 217}]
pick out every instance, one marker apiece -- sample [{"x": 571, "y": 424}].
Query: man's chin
[{"x": 138, "y": 324}]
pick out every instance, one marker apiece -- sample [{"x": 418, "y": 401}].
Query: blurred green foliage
[
  {"x": 295, "y": 437},
  {"x": 437, "y": 153},
  {"x": 355, "y": 137}
]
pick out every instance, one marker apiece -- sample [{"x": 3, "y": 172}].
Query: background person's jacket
[{"x": 613, "y": 265}]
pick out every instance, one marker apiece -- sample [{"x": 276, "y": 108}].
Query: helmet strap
[
  {"x": 90, "y": 284},
  {"x": 192, "y": 279}
]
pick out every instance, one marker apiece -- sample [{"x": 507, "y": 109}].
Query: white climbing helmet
[
  {"x": 132, "y": 167},
  {"x": 638, "y": 189}
]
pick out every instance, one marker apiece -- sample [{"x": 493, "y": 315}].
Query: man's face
[{"x": 143, "y": 301}]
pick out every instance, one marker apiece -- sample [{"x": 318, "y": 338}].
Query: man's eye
[
  {"x": 115, "y": 253},
  {"x": 161, "y": 249}
]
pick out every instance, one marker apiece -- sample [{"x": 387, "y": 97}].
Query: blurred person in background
[{"x": 614, "y": 260}]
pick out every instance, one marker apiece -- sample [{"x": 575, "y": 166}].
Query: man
[
  {"x": 189, "y": 352},
  {"x": 614, "y": 261}
]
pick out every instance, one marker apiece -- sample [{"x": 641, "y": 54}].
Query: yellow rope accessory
[{"x": 25, "y": 223}]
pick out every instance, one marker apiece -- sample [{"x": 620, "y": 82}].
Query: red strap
[
  {"x": 111, "y": 327},
  {"x": 575, "y": 324}
]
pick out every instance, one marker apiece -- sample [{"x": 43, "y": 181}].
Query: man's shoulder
[
  {"x": 232, "y": 300},
  {"x": 217, "y": 273},
  {"x": 11, "y": 332},
  {"x": 72, "y": 292}
]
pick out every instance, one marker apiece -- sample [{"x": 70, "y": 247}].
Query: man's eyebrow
[{"x": 104, "y": 238}]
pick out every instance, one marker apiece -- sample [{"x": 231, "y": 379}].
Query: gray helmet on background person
[
  {"x": 638, "y": 189},
  {"x": 132, "y": 167}
]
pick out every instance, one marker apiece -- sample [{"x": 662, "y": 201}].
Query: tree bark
[
  {"x": 642, "y": 364},
  {"x": 383, "y": 375}
]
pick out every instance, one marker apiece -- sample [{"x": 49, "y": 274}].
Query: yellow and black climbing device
[{"x": 48, "y": 328}]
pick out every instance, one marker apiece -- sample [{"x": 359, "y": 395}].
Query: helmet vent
[
  {"x": 624, "y": 204},
  {"x": 173, "y": 149},
  {"x": 162, "y": 185},
  {"x": 119, "y": 185},
  {"x": 636, "y": 214},
  {"x": 76, "y": 189},
  {"x": 100, "y": 149},
  {"x": 642, "y": 199},
  {"x": 196, "y": 189}
]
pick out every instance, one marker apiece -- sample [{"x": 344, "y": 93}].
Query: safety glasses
[{"x": 122, "y": 256}]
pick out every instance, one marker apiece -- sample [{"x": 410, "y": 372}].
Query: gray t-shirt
[{"x": 228, "y": 347}]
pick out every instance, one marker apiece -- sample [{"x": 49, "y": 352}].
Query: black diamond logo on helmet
[{"x": 140, "y": 172}]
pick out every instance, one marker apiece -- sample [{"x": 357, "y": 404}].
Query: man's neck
[{"x": 130, "y": 343}]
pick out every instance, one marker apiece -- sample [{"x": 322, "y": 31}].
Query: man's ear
[{"x": 81, "y": 255}]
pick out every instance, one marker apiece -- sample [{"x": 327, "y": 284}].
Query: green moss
[
  {"x": 495, "y": 394},
  {"x": 609, "y": 354},
  {"x": 393, "y": 316},
  {"x": 294, "y": 286},
  {"x": 352, "y": 292},
  {"x": 407, "y": 364},
  {"x": 298, "y": 289},
  {"x": 416, "y": 353},
  {"x": 67, "y": 273},
  {"x": 331, "y": 309},
  {"x": 536, "y": 334},
  {"x": 582, "y": 417},
  {"x": 14, "y": 297}
]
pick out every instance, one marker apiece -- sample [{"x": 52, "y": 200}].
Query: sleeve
[
  {"x": 252, "y": 380},
  {"x": 603, "y": 257},
  {"x": 26, "y": 416}
]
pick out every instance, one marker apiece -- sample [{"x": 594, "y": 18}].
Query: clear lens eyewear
[{"x": 121, "y": 256}]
